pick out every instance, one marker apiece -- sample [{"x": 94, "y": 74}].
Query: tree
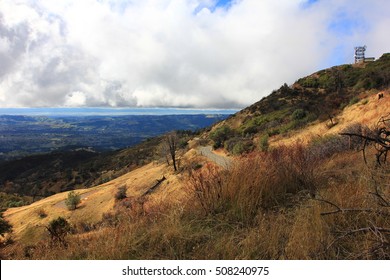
[
  {"x": 58, "y": 229},
  {"x": 4, "y": 226},
  {"x": 163, "y": 151},
  {"x": 171, "y": 141},
  {"x": 73, "y": 200}
]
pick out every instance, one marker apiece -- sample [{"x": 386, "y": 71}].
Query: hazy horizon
[{"x": 106, "y": 111}]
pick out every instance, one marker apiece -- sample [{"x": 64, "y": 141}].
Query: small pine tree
[{"x": 73, "y": 200}]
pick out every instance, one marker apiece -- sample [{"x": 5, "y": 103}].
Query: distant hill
[{"x": 26, "y": 135}]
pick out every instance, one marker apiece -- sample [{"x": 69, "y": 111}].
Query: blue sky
[
  {"x": 224, "y": 3},
  {"x": 175, "y": 53}
]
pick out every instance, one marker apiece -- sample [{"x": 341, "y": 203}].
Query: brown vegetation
[{"x": 289, "y": 203}]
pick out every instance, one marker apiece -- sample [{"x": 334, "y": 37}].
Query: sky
[{"x": 175, "y": 53}]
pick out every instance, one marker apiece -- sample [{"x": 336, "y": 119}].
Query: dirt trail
[{"x": 220, "y": 160}]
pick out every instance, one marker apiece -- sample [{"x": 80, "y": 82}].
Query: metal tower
[{"x": 359, "y": 54}]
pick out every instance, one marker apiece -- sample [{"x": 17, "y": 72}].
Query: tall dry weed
[{"x": 256, "y": 182}]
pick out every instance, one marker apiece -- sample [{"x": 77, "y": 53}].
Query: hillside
[
  {"x": 294, "y": 187},
  {"x": 43, "y": 175},
  {"x": 83, "y": 164},
  {"x": 317, "y": 98}
]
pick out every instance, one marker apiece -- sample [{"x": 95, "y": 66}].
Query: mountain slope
[
  {"x": 315, "y": 98},
  {"x": 28, "y": 221}
]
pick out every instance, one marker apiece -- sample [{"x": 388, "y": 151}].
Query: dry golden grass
[
  {"x": 366, "y": 112},
  {"x": 291, "y": 229},
  {"x": 29, "y": 226}
]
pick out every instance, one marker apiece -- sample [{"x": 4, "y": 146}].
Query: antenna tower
[{"x": 359, "y": 54}]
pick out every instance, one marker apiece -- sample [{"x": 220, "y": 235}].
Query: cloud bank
[{"x": 175, "y": 53}]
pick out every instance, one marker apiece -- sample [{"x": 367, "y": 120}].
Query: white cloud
[
  {"x": 174, "y": 52},
  {"x": 75, "y": 99}
]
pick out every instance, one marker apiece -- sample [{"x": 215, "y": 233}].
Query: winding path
[{"x": 220, "y": 160}]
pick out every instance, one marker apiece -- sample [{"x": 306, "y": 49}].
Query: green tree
[
  {"x": 73, "y": 200},
  {"x": 58, "y": 229}
]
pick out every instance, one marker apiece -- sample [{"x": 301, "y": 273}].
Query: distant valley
[{"x": 26, "y": 135}]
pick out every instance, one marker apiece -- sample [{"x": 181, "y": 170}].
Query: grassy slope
[
  {"x": 27, "y": 225},
  {"x": 366, "y": 112},
  {"x": 321, "y": 95}
]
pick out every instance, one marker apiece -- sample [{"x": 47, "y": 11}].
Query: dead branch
[
  {"x": 379, "y": 136},
  {"x": 154, "y": 187},
  {"x": 373, "y": 229},
  {"x": 345, "y": 210}
]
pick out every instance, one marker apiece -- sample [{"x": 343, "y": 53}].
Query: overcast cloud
[{"x": 175, "y": 53}]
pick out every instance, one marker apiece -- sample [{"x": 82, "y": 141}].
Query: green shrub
[
  {"x": 354, "y": 100},
  {"x": 263, "y": 143},
  {"x": 273, "y": 132},
  {"x": 298, "y": 114},
  {"x": 58, "y": 229},
  {"x": 238, "y": 145},
  {"x": 72, "y": 200},
  {"x": 238, "y": 149},
  {"x": 309, "y": 82},
  {"x": 220, "y": 135}
]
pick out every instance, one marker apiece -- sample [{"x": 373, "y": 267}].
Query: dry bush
[
  {"x": 121, "y": 193},
  {"x": 260, "y": 181},
  {"x": 41, "y": 213},
  {"x": 358, "y": 219}
]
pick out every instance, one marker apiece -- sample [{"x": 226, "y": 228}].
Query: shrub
[
  {"x": 41, "y": 213},
  {"x": 58, "y": 229},
  {"x": 72, "y": 200},
  {"x": 121, "y": 193},
  {"x": 238, "y": 148},
  {"x": 238, "y": 145},
  {"x": 354, "y": 100},
  {"x": 260, "y": 181},
  {"x": 326, "y": 146},
  {"x": 298, "y": 114},
  {"x": 263, "y": 143},
  {"x": 252, "y": 128},
  {"x": 5, "y": 227},
  {"x": 220, "y": 135}
]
